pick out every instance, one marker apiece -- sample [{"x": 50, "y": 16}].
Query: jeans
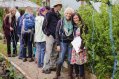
[
  {"x": 27, "y": 42},
  {"x": 40, "y": 48},
  {"x": 21, "y": 47},
  {"x": 66, "y": 50},
  {"x": 79, "y": 69}
]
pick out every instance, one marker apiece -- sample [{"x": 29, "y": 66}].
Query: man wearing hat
[{"x": 49, "y": 28}]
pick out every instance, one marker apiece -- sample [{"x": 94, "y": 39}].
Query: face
[
  {"x": 44, "y": 12},
  {"x": 59, "y": 7},
  {"x": 76, "y": 19},
  {"x": 13, "y": 11},
  {"x": 68, "y": 15}
]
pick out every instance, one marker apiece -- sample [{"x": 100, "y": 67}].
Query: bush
[{"x": 98, "y": 39}]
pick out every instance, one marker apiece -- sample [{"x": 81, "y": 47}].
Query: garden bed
[{"x": 8, "y": 71}]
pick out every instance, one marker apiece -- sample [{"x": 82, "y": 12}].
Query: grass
[{"x": 3, "y": 48}]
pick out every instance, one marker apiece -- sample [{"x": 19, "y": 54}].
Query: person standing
[
  {"x": 49, "y": 28},
  {"x": 10, "y": 31},
  {"x": 19, "y": 26},
  {"x": 64, "y": 36},
  {"x": 79, "y": 30},
  {"x": 40, "y": 39},
  {"x": 27, "y": 31}
]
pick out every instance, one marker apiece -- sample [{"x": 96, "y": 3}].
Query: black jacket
[{"x": 50, "y": 23}]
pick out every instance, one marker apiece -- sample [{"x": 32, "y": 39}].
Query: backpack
[{"x": 29, "y": 21}]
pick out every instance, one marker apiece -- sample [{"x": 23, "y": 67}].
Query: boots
[
  {"x": 82, "y": 77},
  {"x": 58, "y": 70},
  {"x": 70, "y": 74}
]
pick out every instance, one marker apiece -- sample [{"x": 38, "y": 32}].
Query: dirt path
[{"x": 31, "y": 70}]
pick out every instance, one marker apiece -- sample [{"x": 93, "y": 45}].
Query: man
[{"x": 49, "y": 28}]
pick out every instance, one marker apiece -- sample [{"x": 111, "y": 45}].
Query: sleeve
[
  {"x": 45, "y": 23},
  {"x": 57, "y": 33},
  {"x": 5, "y": 22}
]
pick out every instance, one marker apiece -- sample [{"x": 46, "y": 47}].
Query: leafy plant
[{"x": 98, "y": 39}]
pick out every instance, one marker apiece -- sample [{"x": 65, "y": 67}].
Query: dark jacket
[
  {"x": 6, "y": 25},
  {"x": 50, "y": 23},
  {"x": 19, "y": 26},
  {"x": 60, "y": 34},
  {"x": 83, "y": 29}
]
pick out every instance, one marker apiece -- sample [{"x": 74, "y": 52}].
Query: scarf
[{"x": 68, "y": 27}]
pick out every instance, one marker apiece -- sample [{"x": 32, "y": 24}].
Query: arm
[
  {"x": 57, "y": 33},
  {"x": 45, "y": 24}
]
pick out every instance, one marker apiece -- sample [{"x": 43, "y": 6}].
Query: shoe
[
  {"x": 14, "y": 55},
  {"x": 77, "y": 77},
  {"x": 40, "y": 66},
  {"x": 70, "y": 72},
  {"x": 9, "y": 55},
  {"x": 19, "y": 57},
  {"x": 24, "y": 59},
  {"x": 31, "y": 60},
  {"x": 46, "y": 71},
  {"x": 58, "y": 70},
  {"x": 53, "y": 68}
]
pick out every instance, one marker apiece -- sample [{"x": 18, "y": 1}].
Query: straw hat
[{"x": 57, "y": 2}]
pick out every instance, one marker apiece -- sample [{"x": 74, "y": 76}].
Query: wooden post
[{"x": 38, "y": 2}]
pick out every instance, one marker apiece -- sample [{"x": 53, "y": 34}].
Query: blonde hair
[{"x": 69, "y": 9}]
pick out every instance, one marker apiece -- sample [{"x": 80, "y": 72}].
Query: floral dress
[{"x": 81, "y": 57}]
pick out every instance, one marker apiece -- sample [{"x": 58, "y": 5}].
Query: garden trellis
[{"x": 111, "y": 38}]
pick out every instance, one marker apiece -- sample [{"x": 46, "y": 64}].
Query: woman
[
  {"x": 10, "y": 31},
  {"x": 40, "y": 37},
  {"x": 79, "y": 29},
  {"x": 64, "y": 36}
]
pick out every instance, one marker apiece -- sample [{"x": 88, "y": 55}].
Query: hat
[{"x": 57, "y": 2}]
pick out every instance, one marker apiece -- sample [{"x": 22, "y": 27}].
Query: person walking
[
  {"x": 49, "y": 28},
  {"x": 64, "y": 36},
  {"x": 28, "y": 24},
  {"x": 76, "y": 59},
  {"x": 40, "y": 39}
]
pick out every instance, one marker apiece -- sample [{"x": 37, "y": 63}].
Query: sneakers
[
  {"x": 24, "y": 59},
  {"x": 14, "y": 55},
  {"x": 46, "y": 71},
  {"x": 9, "y": 55},
  {"x": 31, "y": 59}
]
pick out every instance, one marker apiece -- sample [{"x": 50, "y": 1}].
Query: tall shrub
[{"x": 98, "y": 39}]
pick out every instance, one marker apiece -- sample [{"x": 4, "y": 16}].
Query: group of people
[{"x": 50, "y": 34}]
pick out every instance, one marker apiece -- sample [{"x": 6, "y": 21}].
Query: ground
[{"x": 30, "y": 69}]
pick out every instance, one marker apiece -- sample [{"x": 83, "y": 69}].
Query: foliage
[
  {"x": 1, "y": 15},
  {"x": 100, "y": 40}
]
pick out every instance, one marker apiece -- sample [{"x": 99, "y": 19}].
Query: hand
[
  {"x": 11, "y": 29},
  {"x": 58, "y": 48}
]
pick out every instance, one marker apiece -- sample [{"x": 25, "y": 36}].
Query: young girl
[
  {"x": 79, "y": 29},
  {"x": 40, "y": 37}
]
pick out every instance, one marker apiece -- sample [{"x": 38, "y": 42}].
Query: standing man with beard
[{"x": 49, "y": 28}]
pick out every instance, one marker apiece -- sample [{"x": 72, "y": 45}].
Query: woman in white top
[{"x": 40, "y": 37}]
